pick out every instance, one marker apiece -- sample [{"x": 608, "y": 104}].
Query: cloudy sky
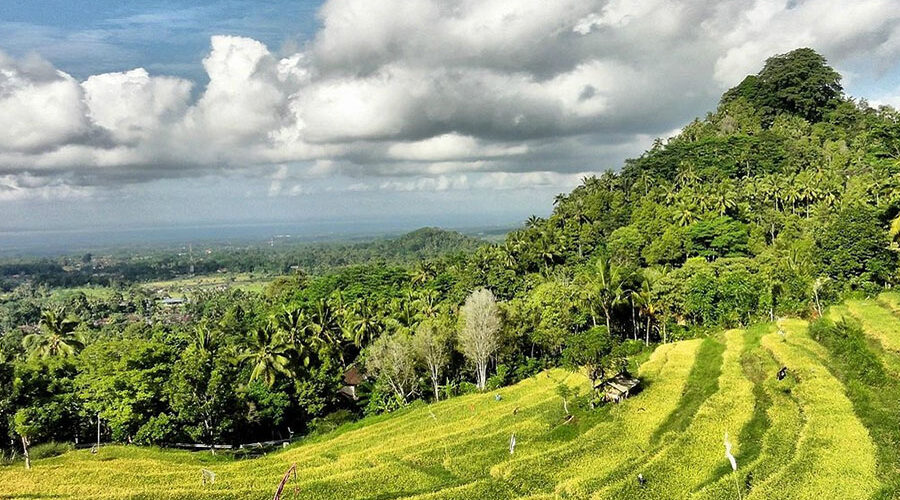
[{"x": 453, "y": 112}]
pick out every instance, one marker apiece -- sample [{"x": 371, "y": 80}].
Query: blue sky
[
  {"x": 89, "y": 37},
  {"x": 451, "y": 112}
]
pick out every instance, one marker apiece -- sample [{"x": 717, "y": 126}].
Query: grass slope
[{"x": 829, "y": 430}]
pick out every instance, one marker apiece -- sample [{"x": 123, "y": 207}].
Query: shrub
[{"x": 47, "y": 450}]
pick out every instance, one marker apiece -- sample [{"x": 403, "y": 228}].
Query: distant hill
[
  {"x": 424, "y": 243},
  {"x": 160, "y": 264}
]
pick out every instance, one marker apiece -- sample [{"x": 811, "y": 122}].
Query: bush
[
  {"x": 158, "y": 429},
  {"x": 47, "y": 450},
  {"x": 7, "y": 458},
  {"x": 499, "y": 379}
]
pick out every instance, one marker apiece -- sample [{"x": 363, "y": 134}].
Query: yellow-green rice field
[{"x": 817, "y": 434}]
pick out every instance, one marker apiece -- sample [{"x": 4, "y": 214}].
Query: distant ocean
[{"x": 53, "y": 242}]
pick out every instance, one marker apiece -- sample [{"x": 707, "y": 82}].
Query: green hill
[{"x": 827, "y": 430}]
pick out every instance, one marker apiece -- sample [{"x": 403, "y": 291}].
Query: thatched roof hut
[
  {"x": 620, "y": 387},
  {"x": 352, "y": 378}
]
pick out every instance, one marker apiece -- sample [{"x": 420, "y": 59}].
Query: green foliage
[
  {"x": 854, "y": 248},
  {"x": 594, "y": 351},
  {"x": 798, "y": 83},
  {"x": 717, "y": 237},
  {"x": 49, "y": 450}
]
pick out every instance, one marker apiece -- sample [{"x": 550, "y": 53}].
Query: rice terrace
[{"x": 826, "y": 430}]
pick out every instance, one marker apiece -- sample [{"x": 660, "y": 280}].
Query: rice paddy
[{"x": 818, "y": 433}]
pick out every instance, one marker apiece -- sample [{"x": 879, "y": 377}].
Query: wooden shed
[
  {"x": 620, "y": 387},
  {"x": 352, "y": 378}
]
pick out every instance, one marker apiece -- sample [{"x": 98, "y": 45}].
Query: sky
[{"x": 460, "y": 113}]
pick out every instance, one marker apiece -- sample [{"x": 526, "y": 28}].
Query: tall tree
[
  {"x": 479, "y": 335},
  {"x": 391, "y": 359},
  {"x": 604, "y": 288},
  {"x": 431, "y": 344}
]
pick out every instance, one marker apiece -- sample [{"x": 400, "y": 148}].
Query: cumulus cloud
[
  {"x": 133, "y": 106},
  {"x": 424, "y": 94},
  {"x": 40, "y": 107}
]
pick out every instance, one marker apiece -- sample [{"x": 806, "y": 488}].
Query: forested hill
[
  {"x": 782, "y": 196},
  {"x": 418, "y": 245}
]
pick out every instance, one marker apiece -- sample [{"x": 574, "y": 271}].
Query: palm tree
[
  {"x": 426, "y": 304},
  {"x": 686, "y": 212},
  {"x": 424, "y": 271},
  {"x": 56, "y": 336},
  {"x": 646, "y": 305},
  {"x": 366, "y": 325},
  {"x": 269, "y": 354},
  {"x": 605, "y": 288},
  {"x": 292, "y": 322},
  {"x": 204, "y": 338},
  {"x": 533, "y": 221},
  {"x": 724, "y": 198},
  {"x": 508, "y": 255},
  {"x": 686, "y": 175},
  {"x": 771, "y": 189},
  {"x": 323, "y": 325},
  {"x": 591, "y": 183}
]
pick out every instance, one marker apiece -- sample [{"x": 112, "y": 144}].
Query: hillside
[{"x": 825, "y": 431}]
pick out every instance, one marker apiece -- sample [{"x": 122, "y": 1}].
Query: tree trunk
[
  {"x": 633, "y": 323},
  {"x": 481, "y": 375},
  {"x": 25, "y": 450},
  {"x": 434, "y": 380},
  {"x": 647, "y": 338}
]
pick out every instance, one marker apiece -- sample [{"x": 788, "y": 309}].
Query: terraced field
[{"x": 829, "y": 429}]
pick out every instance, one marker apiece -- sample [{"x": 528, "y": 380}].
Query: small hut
[
  {"x": 352, "y": 378},
  {"x": 619, "y": 387}
]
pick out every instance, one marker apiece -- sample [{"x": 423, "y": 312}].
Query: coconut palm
[
  {"x": 55, "y": 337},
  {"x": 604, "y": 288},
  {"x": 423, "y": 272},
  {"x": 292, "y": 322},
  {"x": 204, "y": 338},
  {"x": 686, "y": 211},
  {"x": 366, "y": 324},
  {"x": 323, "y": 324},
  {"x": 269, "y": 354},
  {"x": 427, "y": 304},
  {"x": 646, "y": 305}
]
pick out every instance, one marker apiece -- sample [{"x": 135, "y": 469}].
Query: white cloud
[
  {"x": 434, "y": 94},
  {"x": 449, "y": 147},
  {"x": 28, "y": 187},
  {"x": 40, "y": 107},
  {"x": 132, "y": 106}
]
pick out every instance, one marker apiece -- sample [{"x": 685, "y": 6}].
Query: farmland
[{"x": 818, "y": 433}]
